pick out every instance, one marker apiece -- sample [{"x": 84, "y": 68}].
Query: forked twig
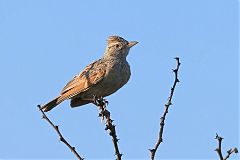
[
  {"x": 167, "y": 105},
  {"x": 219, "y": 149},
  {"x": 62, "y": 139},
  {"x": 105, "y": 114}
]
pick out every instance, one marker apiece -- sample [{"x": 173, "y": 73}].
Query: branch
[
  {"x": 105, "y": 114},
  {"x": 167, "y": 105},
  {"x": 62, "y": 139},
  {"x": 219, "y": 149}
]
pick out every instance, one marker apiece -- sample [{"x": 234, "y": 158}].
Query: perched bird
[{"x": 101, "y": 78}]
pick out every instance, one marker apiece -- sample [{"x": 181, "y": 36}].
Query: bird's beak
[{"x": 130, "y": 44}]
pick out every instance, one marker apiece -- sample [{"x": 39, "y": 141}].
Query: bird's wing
[{"x": 91, "y": 75}]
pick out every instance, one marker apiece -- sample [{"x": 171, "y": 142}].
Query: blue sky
[{"x": 45, "y": 43}]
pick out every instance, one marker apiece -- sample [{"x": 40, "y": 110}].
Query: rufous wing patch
[{"x": 82, "y": 82}]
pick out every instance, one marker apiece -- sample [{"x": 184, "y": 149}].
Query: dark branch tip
[
  {"x": 218, "y": 137},
  {"x": 177, "y": 58},
  {"x": 235, "y": 150},
  {"x": 232, "y": 150}
]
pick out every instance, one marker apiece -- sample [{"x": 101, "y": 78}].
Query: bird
[{"x": 100, "y": 78}]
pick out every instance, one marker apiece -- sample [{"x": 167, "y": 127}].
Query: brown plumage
[{"x": 101, "y": 78}]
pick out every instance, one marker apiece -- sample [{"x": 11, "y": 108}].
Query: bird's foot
[{"x": 101, "y": 103}]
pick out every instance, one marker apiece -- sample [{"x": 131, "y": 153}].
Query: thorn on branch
[{"x": 218, "y": 137}]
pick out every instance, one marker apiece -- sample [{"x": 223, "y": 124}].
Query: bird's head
[{"x": 118, "y": 47}]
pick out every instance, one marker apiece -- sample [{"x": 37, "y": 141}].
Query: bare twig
[
  {"x": 167, "y": 105},
  {"x": 105, "y": 114},
  {"x": 62, "y": 139},
  {"x": 219, "y": 149}
]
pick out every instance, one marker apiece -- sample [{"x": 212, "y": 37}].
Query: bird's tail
[{"x": 50, "y": 105}]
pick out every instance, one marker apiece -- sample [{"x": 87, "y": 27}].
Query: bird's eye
[{"x": 117, "y": 45}]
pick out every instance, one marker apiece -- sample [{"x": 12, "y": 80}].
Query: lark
[{"x": 101, "y": 78}]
